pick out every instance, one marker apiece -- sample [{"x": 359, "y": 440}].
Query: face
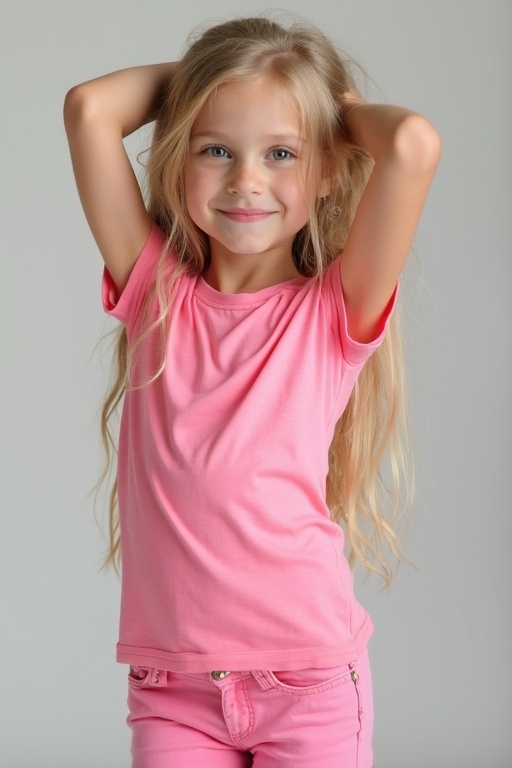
[{"x": 246, "y": 174}]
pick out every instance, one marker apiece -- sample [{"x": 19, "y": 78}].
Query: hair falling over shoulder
[{"x": 368, "y": 459}]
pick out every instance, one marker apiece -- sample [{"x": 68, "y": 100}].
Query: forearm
[
  {"x": 384, "y": 129},
  {"x": 124, "y": 100}
]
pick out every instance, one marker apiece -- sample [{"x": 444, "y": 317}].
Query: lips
[{"x": 245, "y": 215}]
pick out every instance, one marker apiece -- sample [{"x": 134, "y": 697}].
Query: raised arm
[
  {"x": 406, "y": 150},
  {"x": 98, "y": 114}
]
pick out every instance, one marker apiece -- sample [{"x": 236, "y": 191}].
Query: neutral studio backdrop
[{"x": 441, "y": 651}]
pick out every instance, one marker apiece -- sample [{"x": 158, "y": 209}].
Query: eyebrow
[{"x": 277, "y": 138}]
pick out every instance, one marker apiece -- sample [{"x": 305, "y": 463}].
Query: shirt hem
[{"x": 242, "y": 661}]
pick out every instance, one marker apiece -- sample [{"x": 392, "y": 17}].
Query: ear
[{"x": 324, "y": 187}]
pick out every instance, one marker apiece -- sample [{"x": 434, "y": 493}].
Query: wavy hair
[{"x": 362, "y": 496}]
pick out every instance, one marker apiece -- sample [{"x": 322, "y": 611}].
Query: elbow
[
  {"x": 78, "y": 106},
  {"x": 418, "y": 144}
]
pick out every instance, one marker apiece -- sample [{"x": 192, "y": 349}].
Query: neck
[{"x": 235, "y": 273}]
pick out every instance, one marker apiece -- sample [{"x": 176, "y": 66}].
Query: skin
[
  {"x": 246, "y": 185},
  {"x": 403, "y": 144}
]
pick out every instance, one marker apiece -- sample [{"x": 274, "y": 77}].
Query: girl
[{"x": 252, "y": 290}]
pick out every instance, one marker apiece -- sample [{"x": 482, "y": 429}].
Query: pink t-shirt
[{"x": 230, "y": 559}]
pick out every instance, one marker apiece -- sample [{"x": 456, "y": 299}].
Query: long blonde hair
[{"x": 302, "y": 60}]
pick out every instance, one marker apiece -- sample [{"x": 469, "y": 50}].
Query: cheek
[
  {"x": 197, "y": 198},
  {"x": 188, "y": 181},
  {"x": 298, "y": 188},
  {"x": 302, "y": 199},
  {"x": 199, "y": 187},
  {"x": 192, "y": 192}
]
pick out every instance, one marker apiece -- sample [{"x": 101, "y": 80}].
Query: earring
[{"x": 335, "y": 212}]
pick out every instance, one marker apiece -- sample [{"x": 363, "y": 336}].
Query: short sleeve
[
  {"x": 354, "y": 352},
  {"x": 126, "y": 307}
]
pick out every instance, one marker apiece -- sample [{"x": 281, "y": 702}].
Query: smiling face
[{"x": 246, "y": 173}]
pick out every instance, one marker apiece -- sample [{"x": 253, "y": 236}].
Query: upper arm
[
  {"x": 108, "y": 189},
  {"x": 383, "y": 229}
]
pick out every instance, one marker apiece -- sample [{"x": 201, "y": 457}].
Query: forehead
[{"x": 258, "y": 106}]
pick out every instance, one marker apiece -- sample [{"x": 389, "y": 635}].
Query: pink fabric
[
  {"x": 222, "y": 467},
  {"x": 321, "y": 718}
]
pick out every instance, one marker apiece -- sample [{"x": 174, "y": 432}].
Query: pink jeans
[{"x": 314, "y": 718}]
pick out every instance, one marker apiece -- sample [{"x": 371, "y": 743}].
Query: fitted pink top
[{"x": 230, "y": 559}]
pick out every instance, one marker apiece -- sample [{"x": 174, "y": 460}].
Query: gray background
[{"x": 441, "y": 652}]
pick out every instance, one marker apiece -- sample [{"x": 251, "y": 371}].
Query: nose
[{"x": 245, "y": 179}]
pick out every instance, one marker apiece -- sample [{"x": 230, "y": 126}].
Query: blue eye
[
  {"x": 215, "y": 151},
  {"x": 281, "y": 154}
]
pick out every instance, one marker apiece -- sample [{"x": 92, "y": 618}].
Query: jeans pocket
[{"x": 306, "y": 681}]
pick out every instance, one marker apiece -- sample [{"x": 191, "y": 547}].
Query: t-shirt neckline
[{"x": 213, "y": 296}]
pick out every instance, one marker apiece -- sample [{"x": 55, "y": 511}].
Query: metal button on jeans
[{"x": 220, "y": 675}]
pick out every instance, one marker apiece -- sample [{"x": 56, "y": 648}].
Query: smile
[{"x": 245, "y": 215}]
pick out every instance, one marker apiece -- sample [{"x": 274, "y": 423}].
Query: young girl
[{"x": 252, "y": 290}]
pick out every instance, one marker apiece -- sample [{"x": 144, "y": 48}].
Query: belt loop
[
  {"x": 264, "y": 679},
  {"x": 159, "y": 677}
]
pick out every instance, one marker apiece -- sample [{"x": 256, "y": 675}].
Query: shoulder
[
  {"x": 125, "y": 304},
  {"x": 333, "y": 298}
]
